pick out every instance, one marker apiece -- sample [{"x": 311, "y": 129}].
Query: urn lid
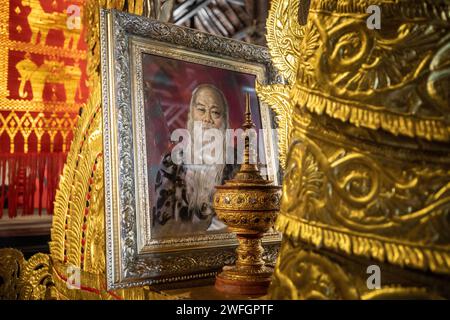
[{"x": 248, "y": 175}]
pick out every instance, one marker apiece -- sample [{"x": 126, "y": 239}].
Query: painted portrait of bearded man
[{"x": 184, "y": 191}]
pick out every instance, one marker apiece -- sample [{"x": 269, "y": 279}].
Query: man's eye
[
  {"x": 202, "y": 110},
  {"x": 216, "y": 114}
]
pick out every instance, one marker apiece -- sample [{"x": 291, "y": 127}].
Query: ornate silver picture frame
[{"x": 134, "y": 256}]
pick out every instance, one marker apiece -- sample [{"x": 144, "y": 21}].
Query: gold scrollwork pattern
[
  {"x": 401, "y": 293},
  {"x": 250, "y": 253},
  {"x": 11, "y": 264},
  {"x": 284, "y": 40},
  {"x": 283, "y": 36},
  {"x": 390, "y": 205},
  {"x": 395, "y": 78},
  {"x": 305, "y": 275},
  {"x": 25, "y": 280},
  {"x": 277, "y": 97},
  {"x": 36, "y": 279},
  {"x": 255, "y": 199}
]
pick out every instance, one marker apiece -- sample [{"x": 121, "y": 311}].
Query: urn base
[{"x": 231, "y": 281}]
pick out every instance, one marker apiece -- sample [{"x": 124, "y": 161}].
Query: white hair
[{"x": 197, "y": 90}]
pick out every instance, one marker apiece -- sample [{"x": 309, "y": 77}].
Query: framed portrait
[{"x": 159, "y": 80}]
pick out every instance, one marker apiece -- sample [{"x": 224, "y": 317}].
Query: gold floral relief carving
[
  {"x": 385, "y": 203},
  {"x": 25, "y": 280},
  {"x": 349, "y": 186},
  {"x": 277, "y": 97},
  {"x": 11, "y": 264},
  {"x": 401, "y": 293},
  {"x": 284, "y": 37},
  {"x": 363, "y": 190},
  {"x": 305, "y": 275},
  {"x": 395, "y": 78}
]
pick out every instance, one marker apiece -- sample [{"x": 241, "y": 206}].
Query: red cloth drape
[
  {"x": 28, "y": 182},
  {"x": 43, "y": 65}
]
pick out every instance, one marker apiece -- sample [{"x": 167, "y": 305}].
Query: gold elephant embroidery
[
  {"x": 50, "y": 71},
  {"x": 42, "y": 22}
]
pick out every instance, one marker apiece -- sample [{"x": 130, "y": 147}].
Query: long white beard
[
  {"x": 200, "y": 183},
  {"x": 201, "y": 178}
]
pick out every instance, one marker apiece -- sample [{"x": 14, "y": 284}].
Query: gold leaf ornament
[
  {"x": 277, "y": 97},
  {"x": 284, "y": 35}
]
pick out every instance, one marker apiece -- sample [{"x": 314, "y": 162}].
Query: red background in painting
[
  {"x": 172, "y": 82},
  {"x": 166, "y": 108}
]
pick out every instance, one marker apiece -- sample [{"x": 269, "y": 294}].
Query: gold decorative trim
[
  {"x": 25, "y": 280},
  {"x": 305, "y": 275},
  {"x": 11, "y": 265},
  {"x": 65, "y": 204},
  {"x": 277, "y": 97},
  {"x": 361, "y": 114},
  {"x": 38, "y": 124},
  {"x": 93, "y": 287},
  {"x": 398, "y": 293},
  {"x": 394, "y": 8},
  {"x": 393, "y": 79},
  {"x": 402, "y": 254},
  {"x": 283, "y": 37},
  {"x": 36, "y": 280}
]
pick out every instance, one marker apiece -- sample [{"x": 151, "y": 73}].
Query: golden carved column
[
  {"x": 78, "y": 229},
  {"x": 367, "y": 176}
]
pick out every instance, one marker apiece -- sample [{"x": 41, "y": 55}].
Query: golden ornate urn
[{"x": 248, "y": 204}]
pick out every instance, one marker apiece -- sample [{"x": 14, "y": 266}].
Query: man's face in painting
[{"x": 209, "y": 109}]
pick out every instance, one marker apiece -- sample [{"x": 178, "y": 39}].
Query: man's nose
[{"x": 208, "y": 118}]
